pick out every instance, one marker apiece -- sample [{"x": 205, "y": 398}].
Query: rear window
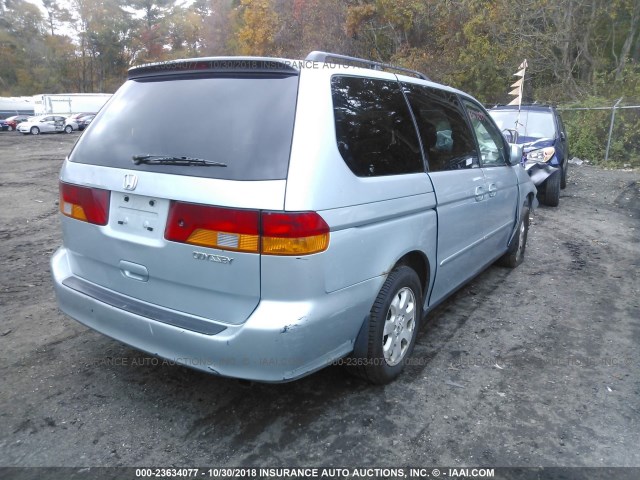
[
  {"x": 245, "y": 122},
  {"x": 529, "y": 123}
]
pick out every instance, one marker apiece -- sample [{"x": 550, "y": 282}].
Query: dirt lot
[{"x": 538, "y": 366}]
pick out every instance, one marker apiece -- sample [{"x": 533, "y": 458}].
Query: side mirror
[
  {"x": 563, "y": 137},
  {"x": 510, "y": 135},
  {"x": 515, "y": 154}
]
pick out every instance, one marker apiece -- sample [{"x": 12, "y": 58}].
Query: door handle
[
  {"x": 493, "y": 190},
  {"x": 479, "y": 193}
]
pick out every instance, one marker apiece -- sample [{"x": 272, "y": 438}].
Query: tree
[
  {"x": 186, "y": 30},
  {"x": 105, "y": 31},
  {"x": 152, "y": 31},
  {"x": 56, "y": 14},
  {"x": 310, "y": 25},
  {"x": 21, "y": 47},
  {"x": 220, "y": 22},
  {"x": 259, "y": 22},
  {"x": 627, "y": 16}
]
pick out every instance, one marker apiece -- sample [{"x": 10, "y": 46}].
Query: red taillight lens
[
  {"x": 213, "y": 227},
  {"x": 293, "y": 225},
  {"x": 84, "y": 203},
  {"x": 300, "y": 233},
  {"x": 270, "y": 233}
]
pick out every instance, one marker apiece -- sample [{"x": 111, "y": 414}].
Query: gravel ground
[{"x": 537, "y": 366}]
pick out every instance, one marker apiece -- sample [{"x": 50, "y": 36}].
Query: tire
[
  {"x": 563, "y": 179},
  {"x": 515, "y": 254},
  {"x": 552, "y": 190},
  {"x": 68, "y": 129},
  {"x": 35, "y": 131},
  {"x": 392, "y": 333}
]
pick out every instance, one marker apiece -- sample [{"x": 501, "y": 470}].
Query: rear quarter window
[{"x": 374, "y": 129}]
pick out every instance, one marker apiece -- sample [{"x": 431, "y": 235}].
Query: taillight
[
  {"x": 215, "y": 227},
  {"x": 84, "y": 203},
  {"x": 299, "y": 233},
  {"x": 270, "y": 233}
]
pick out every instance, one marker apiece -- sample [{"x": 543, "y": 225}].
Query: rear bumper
[{"x": 279, "y": 342}]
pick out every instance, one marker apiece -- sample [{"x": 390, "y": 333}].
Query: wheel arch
[
  {"x": 419, "y": 262},
  {"x": 530, "y": 197}
]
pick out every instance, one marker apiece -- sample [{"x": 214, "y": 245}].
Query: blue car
[
  {"x": 3, "y": 126},
  {"x": 539, "y": 129}
]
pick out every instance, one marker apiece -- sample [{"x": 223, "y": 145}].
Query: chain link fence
[{"x": 601, "y": 134}]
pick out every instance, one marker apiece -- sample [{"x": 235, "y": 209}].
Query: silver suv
[{"x": 307, "y": 212}]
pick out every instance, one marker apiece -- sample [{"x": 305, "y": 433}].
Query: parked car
[
  {"x": 76, "y": 122},
  {"x": 85, "y": 121},
  {"x": 303, "y": 216},
  {"x": 42, "y": 124},
  {"x": 4, "y": 125},
  {"x": 15, "y": 120},
  {"x": 539, "y": 129}
]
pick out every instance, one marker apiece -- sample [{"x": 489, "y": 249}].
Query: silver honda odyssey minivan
[{"x": 304, "y": 213}]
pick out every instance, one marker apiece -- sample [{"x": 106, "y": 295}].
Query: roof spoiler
[
  {"x": 260, "y": 65},
  {"x": 327, "y": 57}
]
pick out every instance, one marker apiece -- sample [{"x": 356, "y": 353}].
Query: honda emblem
[{"x": 130, "y": 182}]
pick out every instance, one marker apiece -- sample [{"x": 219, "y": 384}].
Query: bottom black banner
[{"x": 329, "y": 473}]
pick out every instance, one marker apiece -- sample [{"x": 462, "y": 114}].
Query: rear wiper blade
[{"x": 168, "y": 160}]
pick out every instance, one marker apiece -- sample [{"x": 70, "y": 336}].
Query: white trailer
[
  {"x": 66, "y": 104},
  {"x": 10, "y": 106}
]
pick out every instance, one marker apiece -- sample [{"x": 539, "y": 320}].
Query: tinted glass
[
  {"x": 490, "y": 140},
  {"x": 446, "y": 137},
  {"x": 374, "y": 129},
  {"x": 245, "y": 122}
]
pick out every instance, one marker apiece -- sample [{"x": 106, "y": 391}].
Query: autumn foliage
[{"x": 576, "y": 49}]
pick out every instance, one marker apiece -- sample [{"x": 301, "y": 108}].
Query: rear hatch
[{"x": 151, "y": 220}]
